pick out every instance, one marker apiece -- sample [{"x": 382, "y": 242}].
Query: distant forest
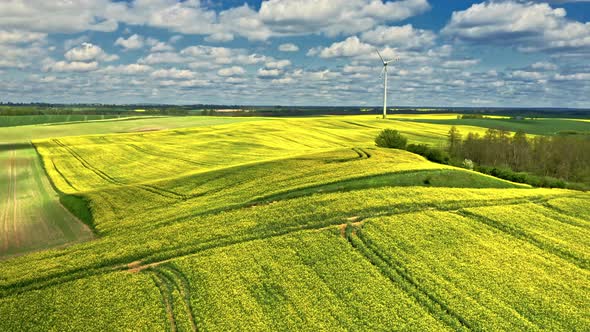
[
  {"x": 564, "y": 157},
  {"x": 270, "y": 110}
]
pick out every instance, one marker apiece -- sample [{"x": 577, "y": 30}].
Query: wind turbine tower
[{"x": 384, "y": 73}]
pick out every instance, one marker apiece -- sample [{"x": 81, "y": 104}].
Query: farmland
[
  {"x": 32, "y": 217},
  {"x": 546, "y": 126},
  {"x": 204, "y": 223}
]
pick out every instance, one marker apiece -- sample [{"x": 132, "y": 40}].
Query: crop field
[
  {"x": 31, "y": 216},
  {"x": 23, "y": 120},
  {"x": 545, "y": 126},
  {"x": 275, "y": 224}
]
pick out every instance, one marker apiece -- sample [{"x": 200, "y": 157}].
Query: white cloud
[
  {"x": 231, "y": 71},
  {"x": 350, "y": 47},
  {"x": 288, "y": 47},
  {"x": 274, "y": 18},
  {"x": 530, "y": 27},
  {"x": 159, "y": 46},
  {"x": 132, "y": 43},
  {"x": 87, "y": 52},
  {"x": 460, "y": 63},
  {"x": 269, "y": 73},
  {"x": 20, "y": 37},
  {"x": 21, "y": 56},
  {"x": 74, "y": 66},
  {"x": 278, "y": 64},
  {"x": 527, "y": 75},
  {"x": 244, "y": 21},
  {"x": 222, "y": 55},
  {"x": 59, "y": 16},
  {"x": 406, "y": 37},
  {"x": 573, "y": 77},
  {"x": 162, "y": 57},
  {"x": 353, "y": 69},
  {"x": 283, "y": 80},
  {"x": 130, "y": 69},
  {"x": 334, "y": 17},
  {"x": 544, "y": 66},
  {"x": 173, "y": 73},
  {"x": 220, "y": 37}
]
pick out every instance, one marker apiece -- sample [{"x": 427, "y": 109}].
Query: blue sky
[{"x": 296, "y": 52}]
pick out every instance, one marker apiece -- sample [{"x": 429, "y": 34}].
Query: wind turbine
[{"x": 384, "y": 73}]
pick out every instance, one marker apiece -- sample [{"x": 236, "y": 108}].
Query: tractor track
[
  {"x": 170, "y": 279},
  {"x": 159, "y": 257},
  {"x": 9, "y": 204},
  {"x": 398, "y": 274}
]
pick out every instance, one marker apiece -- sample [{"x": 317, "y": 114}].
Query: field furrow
[{"x": 396, "y": 273}]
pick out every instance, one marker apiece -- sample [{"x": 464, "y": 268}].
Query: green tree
[
  {"x": 454, "y": 137},
  {"x": 389, "y": 138}
]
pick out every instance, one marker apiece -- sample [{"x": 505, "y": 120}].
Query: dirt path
[
  {"x": 15, "y": 230},
  {"x": 9, "y": 196},
  {"x": 31, "y": 216}
]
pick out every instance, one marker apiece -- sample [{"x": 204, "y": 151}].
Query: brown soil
[
  {"x": 16, "y": 233},
  {"x": 137, "y": 266},
  {"x": 6, "y": 214},
  {"x": 342, "y": 227}
]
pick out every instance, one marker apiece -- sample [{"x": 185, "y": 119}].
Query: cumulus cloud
[
  {"x": 460, "y": 63},
  {"x": 130, "y": 69},
  {"x": 159, "y": 46},
  {"x": 406, "y": 37},
  {"x": 278, "y": 64},
  {"x": 133, "y": 42},
  {"x": 288, "y": 47},
  {"x": 351, "y": 46},
  {"x": 527, "y": 75},
  {"x": 162, "y": 57},
  {"x": 220, "y": 37},
  {"x": 530, "y": 27},
  {"x": 60, "y": 16},
  {"x": 88, "y": 52},
  {"x": 231, "y": 71},
  {"x": 544, "y": 66},
  {"x": 573, "y": 77},
  {"x": 269, "y": 73},
  {"x": 173, "y": 73},
  {"x": 73, "y": 66},
  {"x": 274, "y": 18},
  {"x": 19, "y": 37},
  {"x": 334, "y": 17}
]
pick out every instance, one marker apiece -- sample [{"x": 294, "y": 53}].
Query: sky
[{"x": 296, "y": 52}]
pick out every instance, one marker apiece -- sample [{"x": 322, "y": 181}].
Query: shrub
[
  {"x": 431, "y": 154},
  {"x": 420, "y": 149},
  {"x": 468, "y": 163},
  {"x": 389, "y": 138}
]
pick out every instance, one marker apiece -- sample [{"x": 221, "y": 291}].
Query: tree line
[{"x": 565, "y": 157}]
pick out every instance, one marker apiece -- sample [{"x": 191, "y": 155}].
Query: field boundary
[{"x": 77, "y": 205}]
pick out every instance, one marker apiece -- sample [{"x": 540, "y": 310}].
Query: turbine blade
[
  {"x": 382, "y": 71},
  {"x": 380, "y": 56}
]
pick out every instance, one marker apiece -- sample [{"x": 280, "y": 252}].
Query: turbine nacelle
[{"x": 383, "y": 60}]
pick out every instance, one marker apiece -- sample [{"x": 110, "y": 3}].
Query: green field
[
  {"x": 203, "y": 223},
  {"x": 546, "y": 126},
  {"x": 31, "y": 216},
  {"x": 23, "y": 120}
]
